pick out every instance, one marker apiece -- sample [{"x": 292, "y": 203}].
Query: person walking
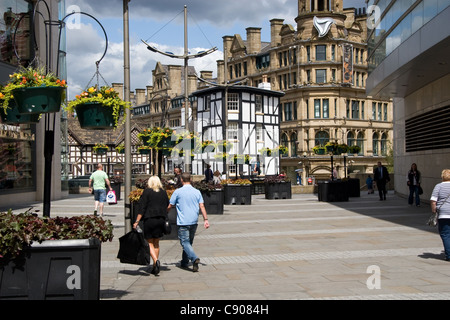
[
  {"x": 177, "y": 178},
  {"x": 217, "y": 179},
  {"x": 152, "y": 207},
  {"x": 440, "y": 203},
  {"x": 208, "y": 174},
  {"x": 381, "y": 177},
  {"x": 98, "y": 181},
  {"x": 369, "y": 183},
  {"x": 188, "y": 201},
  {"x": 413, "y": 181}
]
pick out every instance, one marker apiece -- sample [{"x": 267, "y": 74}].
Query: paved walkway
[{"x": 288, "y": 249}]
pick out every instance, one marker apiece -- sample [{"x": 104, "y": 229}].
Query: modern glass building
[{"x": 409, "y": 61}]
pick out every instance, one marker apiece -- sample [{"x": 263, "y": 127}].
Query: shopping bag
[
  {"x": 134, "y": 249},
  {"x": 111, "y": 197}
]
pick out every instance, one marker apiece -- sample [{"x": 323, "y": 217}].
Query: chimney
[
  {"x": 118, "y": 87},
  {"x": 140, "y": 96},
  {"x": 253, "y": 40},
  {"x": 265, "y": 84},
  {"x": 206, "y": 75},
  {"x": 275, "y": 29},
  {"x": 220, "y": 71},
  {"x": 149, "y": 93},
  {"x": 227, "y": 42}
]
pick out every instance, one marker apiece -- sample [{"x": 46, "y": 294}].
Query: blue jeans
[
  {"x": 186, "y": 235},
  {"x": 414, "y": 192},
  {"x": 444, "y": 231}
]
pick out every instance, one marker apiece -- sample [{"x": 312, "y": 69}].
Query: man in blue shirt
[{"x": 188, "y": 201}]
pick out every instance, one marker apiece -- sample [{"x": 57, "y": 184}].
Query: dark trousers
[{"x": 381, "y": 185}]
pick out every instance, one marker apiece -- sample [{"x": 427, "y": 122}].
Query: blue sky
[{"x": 161, "y": 23}]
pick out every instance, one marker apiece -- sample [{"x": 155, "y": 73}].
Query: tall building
[
  {"x": 409, "y": 59},
  {"x": 321, "y": 65}
]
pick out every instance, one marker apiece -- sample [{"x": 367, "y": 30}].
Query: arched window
[
  {"x": 322, "y": 137},
  {"x": 375, "y": 143},
  {"x": 351, "y": 138},
  {"x": 384, "y": 144},
  {"x": 360, "y": 142},
  {"x": 285, "y": 143},
  {"x": 293, "y": 144}
]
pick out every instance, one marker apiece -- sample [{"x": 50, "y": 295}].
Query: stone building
[{"x": 321, "y": 66}]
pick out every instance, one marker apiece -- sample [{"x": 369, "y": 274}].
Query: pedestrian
[
  {"x": 413, "y": 181},
  {"x": 152, "y": 207},
  {"x": 208, "y": 174},
  {"x": 381, "y": 177},
  {"x": 188, "y": 201},
  {"x": 369, "y": 183},
  {"x": 98, "y": 181},
  {"x": 177, "y": 178},
  {"x": 440, "y": 203},
  {"x": 217, "y": 179}
]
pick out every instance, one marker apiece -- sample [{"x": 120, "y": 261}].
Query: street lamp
[{"x": 186, "y": 56}]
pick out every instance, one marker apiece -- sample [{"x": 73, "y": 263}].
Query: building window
[
  {"x": 258, "y": 103},
  {"x": 374, "y": 111},
  {"x": 288, "y": 111},
  {"x": 285, "y": 143},
  {"x": 308, "y": 53},
  {"x": 233, "y": 102},
  {"x": 322, "y": 137},
  {"x": 333, "y": 52},
  {"x": 355, "y": 109},
  {"x": 232, "y": 131},
  {"x": 379, "y": 111},
  {"x": 321, "y": 53},
  {"x": 293, "y": 144},
  {"x": 375, "y": 143},
  {"x": 360, "y": 142},
  {"x": 316, "y": 108},
  {"x": 263, "y": 61},
  {"x": 385, "y": 106},
  {"x": 321, "y": 76},
  {"x": 259, "y": 132},
  {"x": 295, "y": 111},
  {"x": 351, "y": 138},
  {"x": 384, "y": 143},
  {"x": 325, "y": 108}
]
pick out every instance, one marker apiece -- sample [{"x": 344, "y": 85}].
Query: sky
[{"x": 160, "y": 23}]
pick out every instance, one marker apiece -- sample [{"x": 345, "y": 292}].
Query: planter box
[
  {"x": 54, "y": 269},
  {"x": 237, "y": 194},
  {"x": 333, "y": 191},
  {"x": 353, "y": 187},
  {"x": 12, "y": 115},
  {"x": 213, "y": 202},
  {"x": 116, "y": 188},
  {"x": 278, "y": 190}
]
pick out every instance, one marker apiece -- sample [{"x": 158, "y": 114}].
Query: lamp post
[
  {"x": 126, "y": 88},
  {"x": 186, "y": 57}
]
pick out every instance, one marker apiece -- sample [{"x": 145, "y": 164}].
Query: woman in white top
[{"x": 440, "y": 203}]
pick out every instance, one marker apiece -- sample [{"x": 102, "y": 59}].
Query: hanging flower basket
[
  {"x": 34, "y": 91},
  {"x": 11, "y": 114},
  {"x": 144, "y": 149},
  {"x": 319, "y": 150},
  {"x": 100, "y": 148},
  {"x": 120, "y": 149},
  {"x": 208, "y": 146},
  {"x": 265, "y": 152},
  {"x": 157, "y": 137},
  {"x": 98, "y": 108}
]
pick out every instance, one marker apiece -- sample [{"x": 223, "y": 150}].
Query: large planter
[
  {"x": 12, "y": 115},
  {"x": 116, "y": 187},
  {"x": 281, "y": 190},
  {"x": 333, "y": 191},
  {"x": 213, "y": 201},
  {"x": 95, "y": 116},
  {"x": 36, "y": 100},
  {"x": 54, "y": 269},
  {"x": 237, "y": 194}
]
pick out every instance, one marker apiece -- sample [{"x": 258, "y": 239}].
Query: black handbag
[
  {"x": 134, "y": 249},
  {"x": 167, "y": 227},
  {"x": 420, "y": 190}
]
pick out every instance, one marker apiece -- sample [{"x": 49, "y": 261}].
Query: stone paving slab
[{"x": 286, "y": 249}]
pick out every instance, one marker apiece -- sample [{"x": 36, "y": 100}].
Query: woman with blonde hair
[
  {"x": 153, "y": 209},
  {"x": 440, "y": 203}
]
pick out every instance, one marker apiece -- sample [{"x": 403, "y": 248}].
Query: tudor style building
[{"x": 321, "y": 66}]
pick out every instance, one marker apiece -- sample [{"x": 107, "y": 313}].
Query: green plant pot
[
  {"x": 167, "y": 143},
  {"x": 101, "y": 151},
  {"x": 320, "y": 151},
  {"x": 144, "y": 151},
  {"x": 95, "y": 116},
  {"x": 12, "y": 115},
  {"x": 36, "y": 100},
  {"x": 146, "y": 140}
]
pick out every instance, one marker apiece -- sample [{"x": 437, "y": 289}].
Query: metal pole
[
  {"x": 187, "y": 153},
  {"x": 126, "y": 57},
  {"x": 225, "y": 106}
]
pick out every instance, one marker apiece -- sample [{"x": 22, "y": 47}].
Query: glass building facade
[{"x": 394, "y": 21}]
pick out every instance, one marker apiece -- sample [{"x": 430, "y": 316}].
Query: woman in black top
[
  {"x": 153, "y": 209},
  {"x": 413, "y": 181}
]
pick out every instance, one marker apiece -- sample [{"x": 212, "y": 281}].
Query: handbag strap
[{"x": 437, "y": 209}]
